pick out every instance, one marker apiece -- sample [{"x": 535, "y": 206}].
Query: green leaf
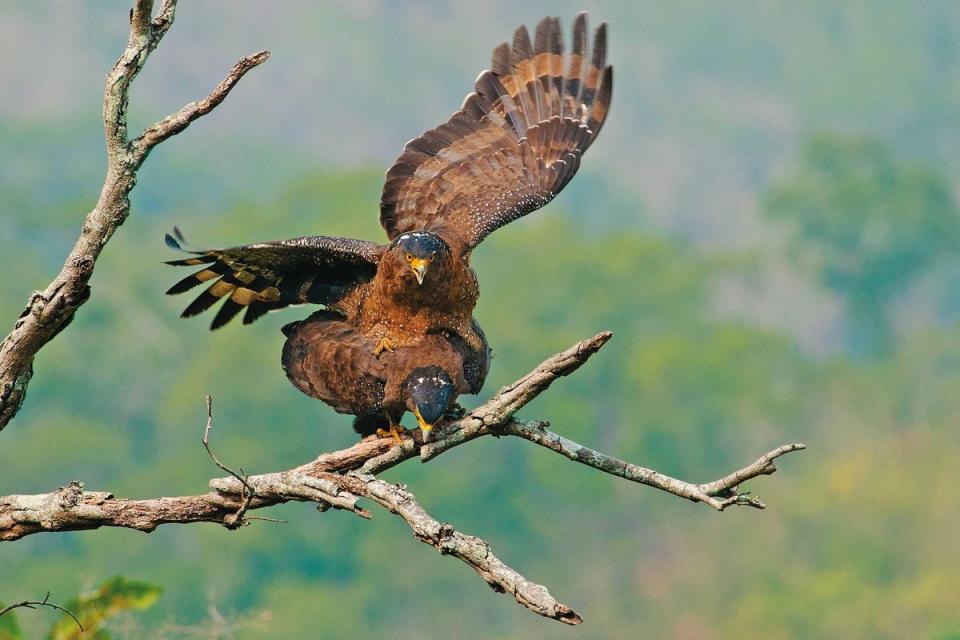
[
  {"x": 9, "y": 629},
  {"x": 93, "y": 609}
]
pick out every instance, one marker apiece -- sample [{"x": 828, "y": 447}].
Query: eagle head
[
  {"x": 430, "y": 393},
  {"x": 421, "y": 251}
]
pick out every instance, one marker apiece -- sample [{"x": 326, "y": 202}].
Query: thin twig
[
  {"x": 247, "y": 493},
  {"x": 181, "y": 119},
  {"x": 266, "y": 519},
  {"x": 727, "y": 486},
  {"x": 33, "y": 604}
]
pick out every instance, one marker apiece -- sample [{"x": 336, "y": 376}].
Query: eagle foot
[
  {"x": 455, "y": 412},
  {"x": 384, "y": 344},
  {"x": 395, "y": 431}
]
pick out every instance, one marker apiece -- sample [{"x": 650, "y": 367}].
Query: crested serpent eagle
[
  {"x": 326, "y": 357},
  {"x": 514, "y": 144}
]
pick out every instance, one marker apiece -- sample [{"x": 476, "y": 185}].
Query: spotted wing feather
[
  {"x": 265, "y": 276},
  {"x": 514, "y": 144}
]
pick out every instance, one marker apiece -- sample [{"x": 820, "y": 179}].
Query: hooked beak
[
  {"x": 419, "y": 268},
  {"x": 425, "y": 429}
]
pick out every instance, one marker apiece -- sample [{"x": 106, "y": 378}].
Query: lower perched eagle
[
  {"x": 327, "y": 358},
  {"x": 515, "y": 143}
]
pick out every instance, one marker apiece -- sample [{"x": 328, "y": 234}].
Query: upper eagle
[{"x": 510, "y": 149}]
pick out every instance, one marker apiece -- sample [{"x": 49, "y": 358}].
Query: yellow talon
[
  {"x": 385, "y": 344},
  {"x": 394, "y": 431}
]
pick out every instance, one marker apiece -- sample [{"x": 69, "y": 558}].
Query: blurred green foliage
[
  {"x": 88, "y": 612},
  {"x": 866, "y": 223},
  {"x": 95, "y": 608},
  {"x": 9, "y": 629}
]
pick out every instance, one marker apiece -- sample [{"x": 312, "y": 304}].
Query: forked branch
[
  {"x": 49, "y": 311},
  {"x": 340, "y": 479},
  {"x": 472, "y": 550}
]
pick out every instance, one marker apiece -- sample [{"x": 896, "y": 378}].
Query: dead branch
[
  {"x": 33, "y": 604},
  {"x": 719, "y": 494},
  {"x": 470, "y": 549},
  {"x": 49, "y": 311},
  {"x": 339, "y": 479},
  {"x": 177, "y": 122}
]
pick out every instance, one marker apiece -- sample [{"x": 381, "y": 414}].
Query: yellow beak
[
  {"x": 424, "y": 427},
  {"x": 419, "y": 268}
]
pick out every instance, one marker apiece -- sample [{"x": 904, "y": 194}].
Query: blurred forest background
[{"x": 768, "y": 223}]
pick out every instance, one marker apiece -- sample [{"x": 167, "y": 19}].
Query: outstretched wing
[
  {"x": 271, "y": 275},
  {"x": 514, "y": 144}
]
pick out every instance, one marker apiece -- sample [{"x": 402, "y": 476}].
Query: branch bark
[
  {"x": 339, "y": 479},
  {"x": 49, "y": 311},
  {"x": 472, "y": 550}
]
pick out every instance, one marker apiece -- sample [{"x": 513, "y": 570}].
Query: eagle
[
  {"x": 515, "y": 143},
  {"x": 328, "y": 358}
]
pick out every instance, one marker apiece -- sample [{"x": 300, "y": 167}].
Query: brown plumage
[
  {"x": 510, "y": 149},
  {"x": 327, "y": 358}
]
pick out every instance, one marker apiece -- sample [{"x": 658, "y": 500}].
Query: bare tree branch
[
  {"x": 70, "y": 508},
  {"x": 339, "y": 479},
  {"x": 708, "y": 493},
  {"x": 48, "y": 312},
  {"x": 726, "y": 486},
  {"x": 33, "y": 604},
  {"x": 470, "y": 549},
  {"x": 177, "y": 122}
]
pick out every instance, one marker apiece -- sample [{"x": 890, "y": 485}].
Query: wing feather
[
  {"x": 524, "y": 76},
  {"x": 271, "y": 275}
]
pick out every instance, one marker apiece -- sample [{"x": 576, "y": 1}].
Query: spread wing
[
  {"x": 514, "y": 144},
  {"x": 271, "y": 275}
]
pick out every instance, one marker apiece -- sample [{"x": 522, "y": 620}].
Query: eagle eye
[
  {"x": 409, "y": 257},
  {"x": 432, "y": 256}
]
